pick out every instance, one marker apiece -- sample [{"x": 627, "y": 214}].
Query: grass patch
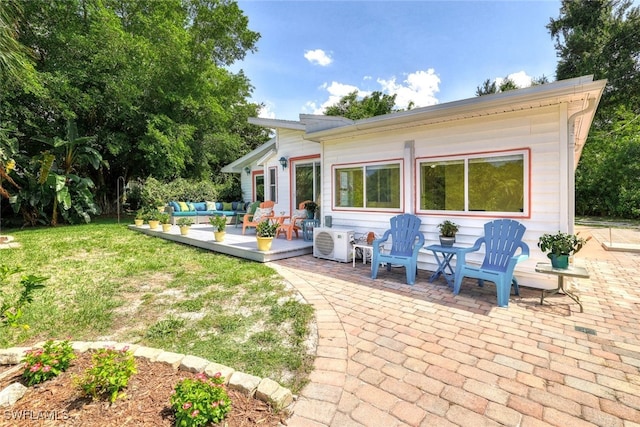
[{"x": 110, "y": 283}]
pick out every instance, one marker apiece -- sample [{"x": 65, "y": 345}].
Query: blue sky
[{"x": 311, "y": 53}]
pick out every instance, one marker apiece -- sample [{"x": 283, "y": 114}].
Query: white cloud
[
  {"x": 521, "y": 79},
  {"x": 318, "y": 57},
  {"x": 266, "y": 112},
  {"x": 419, "y": 87}
]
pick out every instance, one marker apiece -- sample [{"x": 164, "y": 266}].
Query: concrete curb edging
[{"x": 263, "y": 389}]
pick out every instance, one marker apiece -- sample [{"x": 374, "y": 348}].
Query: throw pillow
[
  {"x": 183, "y": 207},
  {"x": 257, "y": 215},
  {"x": 192, "y": 207},
  {"x": 175, "y": 206},
  {"x": 211, "y": 206},
  {"x": 227, "y": 206},
  {"x": 300, "y": 213},
  {"x": 261, "y": 213}
]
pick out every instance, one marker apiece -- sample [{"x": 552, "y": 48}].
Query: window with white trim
[
  {"x": 491, "y": 182},
  {"x": 370, "y": 186},
  {"x": 273, "y": 184}
]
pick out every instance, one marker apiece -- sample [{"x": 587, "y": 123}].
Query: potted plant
[
  {"x": 311, "y": 208},
  {"x": 265, "y": 232},
  {"x": 139, "y": 219},
  {"x": 153, "y": 218},
  {"x": 165, "y": 220},
  {"x": 560, "y": 246},
  {"x": 448, "y": 230},
  {"x": 184, "y": 224},
  {"x": 219, "y": 224}
]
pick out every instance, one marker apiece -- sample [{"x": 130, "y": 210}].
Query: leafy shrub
[
  {"x": 12, "y": 307},
  {"x": 45, "y": 363},
  {"x": 200, "y": 401},
  {"x": 109, "y": 373}
]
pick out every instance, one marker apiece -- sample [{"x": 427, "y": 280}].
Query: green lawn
[{"x": 109, "y": 283}]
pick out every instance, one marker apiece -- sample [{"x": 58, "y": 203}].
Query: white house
[{"x": 506, "y": 155}]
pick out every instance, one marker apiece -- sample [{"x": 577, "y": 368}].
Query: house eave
[
  {"x": 276, "y": 123},
  {"x": 250, "y": 158},
  {"x": 573, "y": 91}
]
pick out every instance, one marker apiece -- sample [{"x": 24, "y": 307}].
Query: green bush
[{"x": 153, "y": 192}]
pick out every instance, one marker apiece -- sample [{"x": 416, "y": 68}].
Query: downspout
[
  {"x": 409, "y": 156},
  {"x": 571, "y": 170}
]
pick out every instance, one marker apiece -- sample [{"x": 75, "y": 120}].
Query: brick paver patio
[{"x": 390, "y": 354}]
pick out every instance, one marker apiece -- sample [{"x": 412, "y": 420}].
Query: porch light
[
  {"x": 247, "y": 170},
  {"x": 283, "y": 162}
]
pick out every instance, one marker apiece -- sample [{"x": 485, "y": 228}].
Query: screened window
[
  {"x": 368, "y": 186},
  {"x": 490, "y": 183}
]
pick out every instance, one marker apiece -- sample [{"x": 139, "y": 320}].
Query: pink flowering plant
[
  {"x": 200, "y": 401},
  {"x": 109, "y": 373},
  {"x": 41, "y": 364}
]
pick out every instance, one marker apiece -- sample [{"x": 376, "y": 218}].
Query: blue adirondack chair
[
  {"x": 502, "y": 238},
  {"x": 406, "y": 241}
]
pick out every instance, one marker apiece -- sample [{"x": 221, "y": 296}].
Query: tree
[
  {"x": 14, "y": 57},
  {"x": 488, "y": 87},
  {"x": 146, "y": 78},
  {"x": 353, "y": 108},
  {"x": 601, "y": 38}
]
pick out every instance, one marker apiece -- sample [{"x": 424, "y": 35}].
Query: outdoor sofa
[{"x": 200, "y": 212}]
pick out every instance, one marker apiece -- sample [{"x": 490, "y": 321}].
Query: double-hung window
[
  {"x": 495, "y": 183},
  {"x": 368, "y": 186}
]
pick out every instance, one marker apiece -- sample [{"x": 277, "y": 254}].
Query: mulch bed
[{"x": 58, "y": 402}]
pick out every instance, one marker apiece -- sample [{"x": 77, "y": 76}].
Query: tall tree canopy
[
  {"x": 353, "y": 108},
  {"x": 145, "y": 78},
  {"x": 602, "y": 37}
]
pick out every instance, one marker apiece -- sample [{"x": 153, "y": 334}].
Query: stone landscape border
[{"x": 264, "y": 389}]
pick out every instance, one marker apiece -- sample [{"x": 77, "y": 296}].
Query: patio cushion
[
  {"x": 183, "y": 206},
  {"x": 227, "y": 206},
  {"x": 211, "y": 206},
  {"x": 200, "y": 206},
  {"x": 300, "y": 213},
  {"x": 261, "y": 213},
  {"x": 175, "y": 206},
  {"x": 219, "y": 206}
]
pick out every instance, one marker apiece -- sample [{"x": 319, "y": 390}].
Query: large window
[
  {"x": 307, "y": 181},
  {"x": 375, "y": 186},
  {"x": 475, "y": 183}
]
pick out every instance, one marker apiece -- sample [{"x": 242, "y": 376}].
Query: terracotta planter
[
  {"x": 166, "y": 228},
  {"x": 184, "y": 230},
  {"x": 153, "y": 224},
  {"x": 264, "y": 243},
  {"x": 138, "y": 222},
  {"x": 219, "y": 235}
]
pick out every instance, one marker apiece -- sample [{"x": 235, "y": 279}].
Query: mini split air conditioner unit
[{"x": 333, "y": 244}]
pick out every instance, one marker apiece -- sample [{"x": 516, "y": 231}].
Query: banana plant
[{"x": 60, "y": 168}]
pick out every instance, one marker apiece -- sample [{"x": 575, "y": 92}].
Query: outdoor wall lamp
[
  {"x": 247, "y": 170},
  {"x": 283, "y": 162}
]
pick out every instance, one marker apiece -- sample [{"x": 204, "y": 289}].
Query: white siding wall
[{"x": 537, "y": 130}]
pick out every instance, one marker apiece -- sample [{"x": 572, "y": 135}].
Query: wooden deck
[{"x": 235, "y": 243}]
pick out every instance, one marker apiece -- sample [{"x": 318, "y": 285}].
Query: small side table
[
  {"x": 365, "y": 248},
  {"x": 579, "y": 272},
  {"x": 307, "y": 228},
  {"x": 444, "y": 262}
]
